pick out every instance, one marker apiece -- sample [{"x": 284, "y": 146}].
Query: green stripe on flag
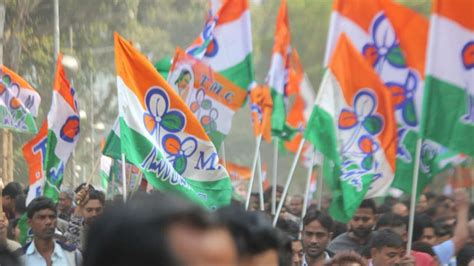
[
  {"x": 242, "y": 74},
  {"x": 320, "y": 131},
  {"x": 23, "y": 121},
  {"x": 279, "y": 111},
  {"x": 444, "y": 107},
  {"x": 112, "y": 146}
]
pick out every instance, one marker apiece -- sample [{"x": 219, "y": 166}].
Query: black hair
[
  {"x": 11, "y": 228},
  {"x": 39, "y": 204},
  {"x": 12, "y": 189},
  {"x": 421, "y": 222},
  {"x": 369, "y": 204},
  {"x": 253, "y": 232},
  {"x": 429, "y": 195},
  {"x": 424, "y": 247},
  {"x": 465, "y": 255},
  {"x": 135, "y": 233},
  {"x": 20, "y": 204},
  {"x": 78, "y": 188},
  {"x": 386, "y": 238},
  {"x": 441, "y": 228},
  {"x": 338, "y": 229},
  {"x": 323, "y": 219},
  {"x": 390, "y": 220},
  {"x": 384, "y": 208},
  {"x": 97, "y": 195},
  {"x": 267, "y": 194},
  {"x": 291, "y": 228}
]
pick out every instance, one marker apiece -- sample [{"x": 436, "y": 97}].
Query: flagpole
[
  {"x": 252, "y": 175},
  {"x": 413, "y": 195},
  {"x": 224, "y": 159},
  {"x": 260, "y": 183},
  {"x": 288, "y": 181},
  {"x": 306, "y": 193},
  {"x": 319, "y": 184},
  {"x": 275, "y": 170},
  {"x": 124, "y": 179}
]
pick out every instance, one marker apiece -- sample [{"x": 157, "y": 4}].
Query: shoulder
[
  {"x": 66, "y": 247},
  {"x": 25, "y": 247}
]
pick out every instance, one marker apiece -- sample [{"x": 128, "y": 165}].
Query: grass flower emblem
[{"x": 179, "y": 151}]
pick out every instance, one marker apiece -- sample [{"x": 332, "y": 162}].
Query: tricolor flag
[
  {"x": 105, "y": 172},
  {"x": 225, "y": 44},
  {"x": 211, "y": 97},
  {"x": 238, "y": 172},
  {"x": 277, "y": 78},
  {"x": 353, "y": 125},
  {"x": 261, "y": 105},
  {"x": 35, "y": 154},
  {"x": 63, "y": 131},
  {"x": 19, "y": 102},
  {"x": 448, "y": 109},
  {"x": 161, "y": 135},
  {"x": 299, "y": 86},
  {"x": 393, "y": 39}
]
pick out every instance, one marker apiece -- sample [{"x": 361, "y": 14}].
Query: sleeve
[
  {"x": 444, "y": 251},
  {"x": 73, "y": 231}
]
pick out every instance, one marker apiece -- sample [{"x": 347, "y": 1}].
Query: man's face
[
  {"x": 8, "y": 203},
  {"x": 362, "y": 223},
  {"x": 315, "y": 239},
  {"x": 429, "y": 236},
  {"x": 296, "y": 205},
  {"x": 385, "y": 256},
  {"x": 92, "y": 209},
  {"x": 64, "y": 203},
  {"x": 43, "y": 224},
  {"x": 184, "y": 82},
  {"x": 297, "y": 250},
  {"x": 422, "y": 204}
]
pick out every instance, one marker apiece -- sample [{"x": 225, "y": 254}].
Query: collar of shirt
[
  {"x": 326, "y": 259},
  {"x": 58, "y": 252}
]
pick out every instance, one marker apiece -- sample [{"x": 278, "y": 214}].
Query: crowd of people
[{"x": 156, "y": 228}]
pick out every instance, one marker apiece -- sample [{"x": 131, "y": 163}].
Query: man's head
[
  {"x": 386, "y": 248},
  {"x": 425, "y": 231},
  {"x": 317, "y": 232},
  {"x": 297, "y": 252},
  {"x": 422, "y": 204},
  {"x": 41, "y": 214},
  {"x": 296, "y": 205},
  {"x": 394, "y": 222},
  {"x": 9, "y": 194},
  {"x": 363, "y": 221},
  {"x": 400, "y": 209},
  {"x": 93, "y": 206},
  {"x": 65, "y": 200}
]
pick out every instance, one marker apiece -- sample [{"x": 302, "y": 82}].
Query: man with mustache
[
  {"x": 44, "y": 250},
  {"x": 359, "y": 230},
  {"x": 317, "y": 232}
]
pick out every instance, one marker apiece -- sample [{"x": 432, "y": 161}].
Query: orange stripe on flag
[
  {"x": 409, "y": 26},
  {"x": 282, "y": 32},
  {"x": 461, "y": 11},
  {"x": 34, "y": 156},
  {"x": 139, "y": 75},
  {"x": 14, "y": 76},
  {"x": 360, "y": 11},
  {"x": 354, "y": 73},
  {"x": 232, "y": 10},
  {"x": 61, "y": 83}
]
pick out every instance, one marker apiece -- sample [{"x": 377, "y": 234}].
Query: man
[
  {"x": 90, "y": 204},
  {"x": 11, "y": 191},
  {"x": 43, "y": 250},
  {"x": 425, "y": 230},
  {"x": 317, "y": 232},
  {"x": 65, "y": 204},
  {"x": 297, "y": 252},
  {"x": 295, "y": 205},
  {"x": 400, "y": 209},
  {"x": 386, "y": 249},
  {"x": 359, "y": 230}
]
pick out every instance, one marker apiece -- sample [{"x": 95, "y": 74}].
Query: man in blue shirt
[{"x": 43, "y": 249}]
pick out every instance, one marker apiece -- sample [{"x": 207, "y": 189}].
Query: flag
[
  {"x": 35, "y": 154},
  {"x": 278, "y": 74},
  {"x": 211, "y": 97},
  {"x": 353, "y": 125},
  {"x": 160, "y": 134},
  {"x": 163, "y": 66},
  {"x": 105, "y": 172},
  {"x": 261, "y": 105},
  {"x": 63, "y": 131},
  {"x": 225, "y": 44},
  {"x": 19, "y": 102},
  {"x": 299, "y": 86},
  {"x": 393, "y": 38},
  {"x": 448, "y": 107},
  {"x": 238, "y": 172}
]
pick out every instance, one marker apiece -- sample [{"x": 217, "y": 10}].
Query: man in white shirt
[{"x": 43, "y": 249}]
